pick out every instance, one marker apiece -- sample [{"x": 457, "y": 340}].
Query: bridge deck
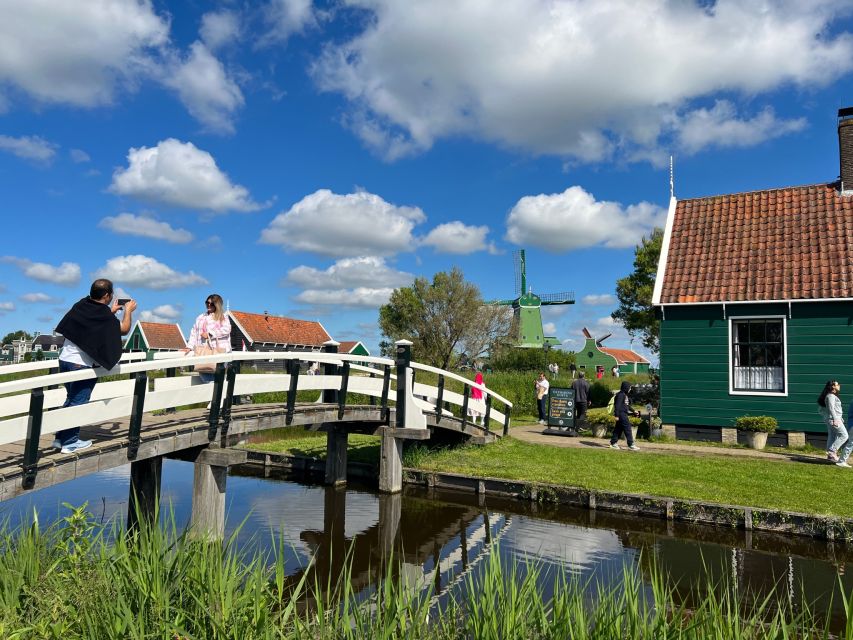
[{"x": 171, "y": 433}]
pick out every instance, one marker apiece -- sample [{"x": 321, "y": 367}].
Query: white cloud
[
  {"x": 147, "y": 273},
  {"x": 205, "y": 88},
  {"x": 549, "y": 328},
  {"x": 607, "y": 322},
  {"x": 459, "y": 238},
  {"x": 356, "y": 224},
  {"x": 66, "y": 274},
  {"x": 350, "y": 273},
  {"x": 287, "y": 17},
  {"x": 132, "y": 225},
  {"x": 165, "y": 313},
  {"x": 575, "y": 78},
  {"x": 574, "y": 219},
  {"x": 6, "y": 307},
  {"x": 79, "y": 156},
  {"x": 78, "y": 52},
  {"x": 720, "y": 127},
  {"x": 39, "y": 297},
  {"x": 219, "y": 28},
  {"x": 359, "y": 297},
  {"x": 600, "y": 299},
  {"x": 180, "y": 174},
  {"x": 29, "y": 148}
]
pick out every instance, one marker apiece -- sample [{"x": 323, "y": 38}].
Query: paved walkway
[{"x": 533, "y": 433}]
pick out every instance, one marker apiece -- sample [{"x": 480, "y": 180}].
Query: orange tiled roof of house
[
  {"x": 259, "y": 327},
  {"x": 347, "y": 346},
  {"x": 163, "y": 336},
  {"x": 624, "y": 355},
  {"x": 782, "y": 244}
]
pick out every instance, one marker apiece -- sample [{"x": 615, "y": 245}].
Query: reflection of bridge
[
  {"x": 438, "y": 550},
  {"x": 132, "y": 419}
]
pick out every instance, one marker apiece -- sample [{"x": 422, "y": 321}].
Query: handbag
[{"x": 207, "y": 349}]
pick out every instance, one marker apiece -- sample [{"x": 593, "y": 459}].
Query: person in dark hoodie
[
  {"x": 92, "y": 338},
  {"x": 622, "y": 411}
]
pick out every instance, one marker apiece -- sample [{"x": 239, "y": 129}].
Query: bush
[
  {"x": 601, "y": 418},
  {"x": 516, "y": 359},
  {"x": 599, "y": 394},
  {"x": 760, "y": 424}
]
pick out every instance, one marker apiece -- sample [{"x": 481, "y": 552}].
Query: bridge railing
[{"x": 32, "y": 407}]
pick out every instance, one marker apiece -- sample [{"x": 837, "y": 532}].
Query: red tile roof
[
  {"x": 163, "y": 336},
  {"x": 273, "y": 329},
  {"x": 347, "y": 346},
  {"x": 782, "y": 244},
  {"x": 624, "y": 355}
]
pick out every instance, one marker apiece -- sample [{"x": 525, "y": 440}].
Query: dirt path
[{"x": 532, "y": 433}]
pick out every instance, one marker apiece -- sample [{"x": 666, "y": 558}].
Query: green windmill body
[{"x": 527, "y": 307}]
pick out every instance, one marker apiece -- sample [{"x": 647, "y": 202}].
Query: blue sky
[{"x": 305, "y": 157}]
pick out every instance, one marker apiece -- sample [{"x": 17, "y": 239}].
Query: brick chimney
[{"x": 845, "y": 148}]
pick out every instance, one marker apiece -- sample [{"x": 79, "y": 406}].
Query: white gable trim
[{"x": 664, "y": 251}]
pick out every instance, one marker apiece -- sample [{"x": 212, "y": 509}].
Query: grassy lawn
[
  {"x": 299, "y": 442},
  {"x": 772, "y": 484}
]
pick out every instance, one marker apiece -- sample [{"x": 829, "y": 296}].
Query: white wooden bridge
[{"x": 132, "y": 418}]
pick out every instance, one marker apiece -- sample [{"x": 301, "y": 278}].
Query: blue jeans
[
  {"x": 79, "y": 392},
  {"x": 836, "y": 437},
  {"x": 848, "y": 447},
  {"x": 206, "y": 377}
]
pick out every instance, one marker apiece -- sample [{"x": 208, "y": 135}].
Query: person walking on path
[
  {"x": 573, "y": 368},
  {"x": 92, "y": 338},
  {"x": 541, "y": 385},
  {"x": 476, "y": 394},
  {"x": 211, "y": 328},
  {"x": 581, "y": 388},
  {"x": 844, "y": 454},
  {"x": 622, "y": 411},
  {"x": 829, "y": 407}
]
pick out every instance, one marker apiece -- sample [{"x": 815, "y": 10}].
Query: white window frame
[{"x": 776, "y": 394}]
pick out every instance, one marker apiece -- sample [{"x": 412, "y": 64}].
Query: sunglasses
[{"x": 208, "y": 303}]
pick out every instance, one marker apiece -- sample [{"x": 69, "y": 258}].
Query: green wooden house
[
  {"x": 353, "y": 347},
  {"x": 593, "y": 355},
  {"x": 152, "y": 337},
  {"x": 755, "y": 296}
]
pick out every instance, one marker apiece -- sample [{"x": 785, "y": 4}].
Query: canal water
[{"x": 455, "y": 532}]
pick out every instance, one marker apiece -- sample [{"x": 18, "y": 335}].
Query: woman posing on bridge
[{"x": 212, "y": 330}]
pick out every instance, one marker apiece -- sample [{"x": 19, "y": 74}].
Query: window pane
[
  {"x": 774, "y": 355},
  {"x": 756, "y": 355},
  {"x": 741, "y": 331},
  {"x": 756, "y": 330},
  {"x": 774, "y": 331}
]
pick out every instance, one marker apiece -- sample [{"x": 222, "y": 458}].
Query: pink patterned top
[{"x": 219, "y": 332}]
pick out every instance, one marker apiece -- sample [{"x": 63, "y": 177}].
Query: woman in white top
[
  {"x": 211, "y": 327},
  {"x": 829, "y": 407}
]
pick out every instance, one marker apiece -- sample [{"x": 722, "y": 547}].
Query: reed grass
[{"x": 78, "y": 579}]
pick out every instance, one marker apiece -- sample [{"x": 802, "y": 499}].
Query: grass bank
[
  {"x": 769, "y": 484},
  {"x": 77, "y": 580}
]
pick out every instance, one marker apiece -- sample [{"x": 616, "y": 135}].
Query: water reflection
[{"x": 439, "y": 537}]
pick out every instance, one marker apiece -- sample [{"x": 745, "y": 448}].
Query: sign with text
[{"x": 561, "y": 408}]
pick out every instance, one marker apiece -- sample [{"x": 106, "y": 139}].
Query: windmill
[{"x": 527, "y": 308}]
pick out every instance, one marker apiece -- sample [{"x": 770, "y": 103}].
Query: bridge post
[
  {"x": 209, "y": 478},
  {"x": 390, "y": 508},
  {"x": 337, "y": 441},
  {"x": 144, "y": 496},
  {"x": 391, "y": 448}
]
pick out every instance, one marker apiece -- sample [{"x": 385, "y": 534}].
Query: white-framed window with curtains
[{"x": 758, "y": 355}]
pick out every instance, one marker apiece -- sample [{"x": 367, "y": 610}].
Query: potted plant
[
  {"x": 655, "y": 427},
  {"x": 600, "y": 423},
  {"x": 756, "y": 428}
]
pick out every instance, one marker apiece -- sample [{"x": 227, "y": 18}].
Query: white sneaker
[
  {"x": 615, "y": 446},
  {"x": 56, "y": 444},
  {"x": 77, "y": 445},
  {"x": 634, "y": 447},
  {"x": 842, "y": 463}
]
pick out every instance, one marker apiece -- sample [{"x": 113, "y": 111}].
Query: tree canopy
[
  {"x": 635, "y": 311},
  {"x": 443, "y": 318}
]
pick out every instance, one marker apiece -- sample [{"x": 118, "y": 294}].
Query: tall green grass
[{"x": 77, "y": 579}]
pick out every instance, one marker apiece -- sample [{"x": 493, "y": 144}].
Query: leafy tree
[
  {"x": 443, "y": 318},
  {"x": 15, "y": 335},
  {"x": 635, "y": 311}
]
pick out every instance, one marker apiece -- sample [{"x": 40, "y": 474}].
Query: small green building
[
  {"x": 152, "y": 337},
  {"x": 593, "y": 355},
  {"x": 755, "y": 296}
]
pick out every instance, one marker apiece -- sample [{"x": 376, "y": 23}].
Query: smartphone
[{"x": 123, "y": 301}]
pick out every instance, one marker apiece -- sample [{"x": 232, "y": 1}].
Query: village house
[
  {"x": 593, "y": 355},
  {"x": 152, "y": 337},
  {"x": 754, "y": 293}
]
